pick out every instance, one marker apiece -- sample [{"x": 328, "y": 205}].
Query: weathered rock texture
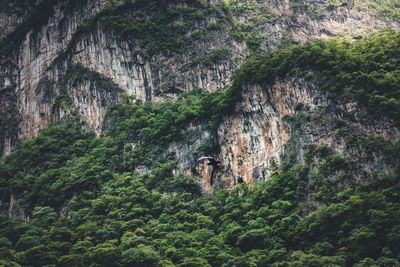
[
  {"x": 255, "y": 135},
  {"x": 26, "y": 71},
  {"x": 36, "y": 89},
  {"x": 283, "y": 121},
  {"x": 13, "y": 208},
  {"x": 13, "y": 14},
  {"x": 153, "y": 76},
  {"x": 320, "y": 19},
  {"x": 37, "y": 81},
  {"x": 259, "y": 133}
]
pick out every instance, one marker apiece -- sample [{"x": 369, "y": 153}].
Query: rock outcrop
[
  {"x": 305, "y": 20},
  {"x": 288, "y": 117},
  {"x": 285, "y": 121},
  {"x": 254, "y": 137},
  {"x": 37, "y": 80},
  {"x": 37, "y": 85},
  {"x": 13, "y": 208},
  {"x": 24, "y": 68}
]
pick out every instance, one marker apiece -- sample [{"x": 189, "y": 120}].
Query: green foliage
[
  {"x": 9, "y": 116},
  {"x": 39, "y": 13},
  {"x": 117, "y": 200},
  {"x": 160, "y": 123},
  {"x": 77, "y": 74},
  {"x": 166, "y": 26},
  {"x": 214, "y": 57},
  {"x": 252, "y": 239},
  {"x": 140, "y": 256},
  {"x": 160, "y": 26},
  {"x": 40, "y": 160},
  {"x": 126, "y": 220},
  {"x": 257, "y": 14},
  {"x": 65, "y": 159},
  {"x": 299, "y": 5},
  {"x": 64, "y": 102},
  {"x": 39, "y": 17},
  {"x": 332, "y": 4},
  {"x": 72, "y": 260},
  {"x": 388, "y": 10},
  {"x": 366, "y": 70}
]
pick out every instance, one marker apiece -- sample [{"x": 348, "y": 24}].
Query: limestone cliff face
[
  {"x": 154, "y": 77},
  {"x": 187, "y": 153},
  {"x": 8, "y": 22},
  {"x": 13, "y": 208},
  {"x": 86, "y": 97},
  {"x": 13, "y": 14},
  {"x": 283, "y": 121},
  {"x": 321, "y": 19},
  {"x": 259, "y": 134},
  {"x": 30, "y": 86},
  {"x": 33, "y": 75},
  {"x": 37, "y": 77},
  {"x": 254, "y": 137}
]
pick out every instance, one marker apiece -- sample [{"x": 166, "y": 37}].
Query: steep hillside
[
  {"x": 150, "y": 49},
  {"x": 311, "y": 129},
  {"x": 107, "y": 105}
]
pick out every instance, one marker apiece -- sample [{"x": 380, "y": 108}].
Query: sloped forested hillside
[{"x": 120, "y": 200}]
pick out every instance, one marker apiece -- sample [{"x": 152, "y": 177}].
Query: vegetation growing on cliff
[
  {"x": 38, "y": 17},
  {"x": 257, "y": 15},
  {"x": 164, "y": 26},
  {"x": 9, "y": 116},
  {"x": 118, "y": 217},
  {"x": 123, "y": 204},
  {"x": 159, "y": 26},
  {"x": 114, "y": 215},
  {"x": 38, "y": 14},
  {"x": 366, "y": 71},
  {"x": 150, "y": 127},
  {"x": 77, "y": 74},
  {"x": 388, "y": 10}
]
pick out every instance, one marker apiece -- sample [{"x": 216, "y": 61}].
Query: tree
[
  {"x": 252, "y": 239},
  {"x": 140, "y": 256}
]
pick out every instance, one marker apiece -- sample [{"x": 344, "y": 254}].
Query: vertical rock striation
[
  {"x": 284, "y": 119},
  {"x": 254, "y": 137},
  {"x": 32, "y": 74}
]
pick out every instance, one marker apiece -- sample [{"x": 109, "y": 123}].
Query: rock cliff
[
  {"x": 285, "y": 119},
  {"x": 290, "y": 120},
  {"x": 29, "y": 70},
  {"x": 82, "y": 58}
]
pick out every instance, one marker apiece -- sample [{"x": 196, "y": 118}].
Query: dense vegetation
[
  {"x": 118, "y": 200},
  {"x": 118, "y": 217},
  {"x": 178, "y": 23},
  {"x": 8, "y": 120},
  {"x": 257, "y": 15},
  {"x": 38, "y": 17},
  {"x": 122, "y": 204},
  {"x": 388, "y": 10},
  {"x": 159, "y": 26},
  {"x": 166, "y": 25},
  {"x": 366, "y": 71}
]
